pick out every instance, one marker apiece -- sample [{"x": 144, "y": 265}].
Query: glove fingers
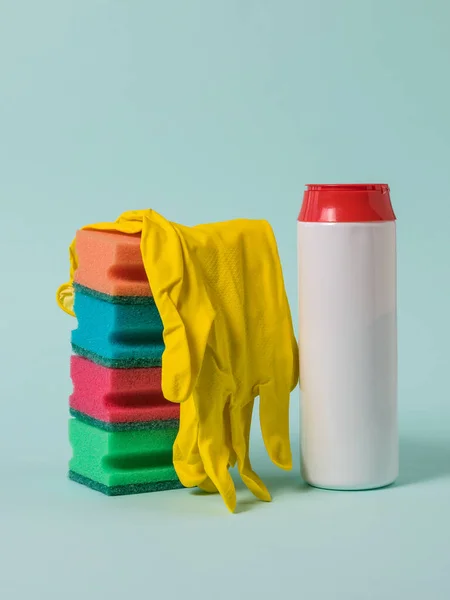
[
  {"x": 226, "y": 418},
  {"x": 207, "y": 485},
  {"x": 274, "y": 420},
  {"x": 241, "y": 418},
  {"x": 186, "y": 457},
  {"x": 214, "y": 450},
  {"x": 295, "y": 374},
  {"x": 217, "y": 470}
]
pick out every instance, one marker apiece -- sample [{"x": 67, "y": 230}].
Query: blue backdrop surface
[{"x": 208, "y": 110}]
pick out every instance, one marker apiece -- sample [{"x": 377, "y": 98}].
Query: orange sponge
[{"x": 111, "y": 263}]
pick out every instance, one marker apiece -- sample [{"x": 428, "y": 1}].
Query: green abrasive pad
[{"x": 117, "y": 459}]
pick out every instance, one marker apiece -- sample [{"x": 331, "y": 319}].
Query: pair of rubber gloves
[{"x": 228, "y": 338}]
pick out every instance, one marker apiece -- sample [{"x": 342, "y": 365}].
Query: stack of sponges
[{"x": 123, "y": 429}]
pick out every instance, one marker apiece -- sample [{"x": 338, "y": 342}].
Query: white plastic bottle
[{"x": 348, "y": 336}]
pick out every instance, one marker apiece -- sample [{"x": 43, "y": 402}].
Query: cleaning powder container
[{"x": 348, "y": 336}]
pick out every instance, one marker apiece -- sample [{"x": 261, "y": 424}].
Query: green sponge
[
  {"x": 122, "y": 462},
  {"x": 121, "y": 490}
]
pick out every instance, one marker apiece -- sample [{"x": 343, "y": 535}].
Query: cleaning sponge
[
  {"x": 124, "y": 429},
  {"x": 122, "y": 463},
  {"x": 120, "y": 399},
  {"x": 117, "y": 332},
  {"x": 111, "y": 263}
]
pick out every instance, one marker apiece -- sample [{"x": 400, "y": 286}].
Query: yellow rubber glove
[{"x": 228, "y": 338}]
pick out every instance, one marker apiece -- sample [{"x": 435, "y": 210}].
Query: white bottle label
[{"x": 348, "y": 354}]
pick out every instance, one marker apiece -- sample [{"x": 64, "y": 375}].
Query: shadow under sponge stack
[{"x": 123, "y": 429}]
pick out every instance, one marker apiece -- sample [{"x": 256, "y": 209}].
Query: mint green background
[{"x": 208, "y": 110}]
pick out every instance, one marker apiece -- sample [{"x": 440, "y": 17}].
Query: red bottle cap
[{"x": 346, "y": 203}]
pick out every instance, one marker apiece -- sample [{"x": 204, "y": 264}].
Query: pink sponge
[{"x": 123, "y": 398}]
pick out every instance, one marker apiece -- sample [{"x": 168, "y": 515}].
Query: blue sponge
[{"x": 115, "y": 332}]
